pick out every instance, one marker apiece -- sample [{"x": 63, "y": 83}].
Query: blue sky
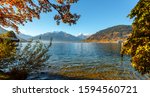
[{"x": 95, "y": 15}]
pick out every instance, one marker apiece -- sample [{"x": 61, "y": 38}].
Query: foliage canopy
[
  {"x": 14, "y": 12},
  {"x": 138, "y": 44},
  {"x": 7, "y": 46}
]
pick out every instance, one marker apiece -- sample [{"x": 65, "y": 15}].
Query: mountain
[
  {"x": 9, "y": 34},
  {"x": 111, "y": 34},
  {"x": 57, "y": 36},
  {"x": 6, "y": 34},
  {"x": 23, "y": 37},
  {"x": 82, "y": 36},
  {"x": 2, "y": 30}
]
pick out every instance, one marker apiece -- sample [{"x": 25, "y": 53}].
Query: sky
[{"x": 95, "y": 16}]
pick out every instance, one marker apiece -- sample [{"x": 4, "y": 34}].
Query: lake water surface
[
  {"x": 79, "y": 54},
  {"x": 86, "y": 53}
]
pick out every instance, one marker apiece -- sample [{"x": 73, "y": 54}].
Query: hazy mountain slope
[
  {"x": 115, "y": 33},
  {"x": 57, "y": 36},
  {"x": 82, "y": 36},
  {"x": 23, "y": 36},
  {"x": 5, "y": 34}
]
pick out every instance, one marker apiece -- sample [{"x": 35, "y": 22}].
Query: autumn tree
[
  {"x": 14, "y": 12},
  {"x": 138, "y": 44},
  {"x": 7, "y": 46}
]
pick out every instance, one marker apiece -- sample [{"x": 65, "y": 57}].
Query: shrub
[
  {"x": 7, "y": 49},
  {"x": 28, "y": 59}
]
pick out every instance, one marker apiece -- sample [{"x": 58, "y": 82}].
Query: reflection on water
[{"x": 85, "y": 53}]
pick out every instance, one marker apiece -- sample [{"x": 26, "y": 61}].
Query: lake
[{"x": 86, "y": 53}]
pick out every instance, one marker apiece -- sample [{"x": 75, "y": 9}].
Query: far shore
[
  {"x": 118, "y": 41},
  {"x": 84, "y": 41}
]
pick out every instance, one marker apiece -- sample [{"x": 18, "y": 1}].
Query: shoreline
[
  {"x": 103, "y": 41},
  {"x": 83, "y": 41}
]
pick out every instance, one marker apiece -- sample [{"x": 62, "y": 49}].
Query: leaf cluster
[
  {"x": 7, "y": 49},
  {"x": 138, "y": 43},
  {"x": 15, "y": 12}
]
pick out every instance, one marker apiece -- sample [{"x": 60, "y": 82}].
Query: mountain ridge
[
  {"x": 82, "y": 36},
  {"x": 57, "y": 36},
  {"x": 111, "y": 34},
  {"x": 22, "y": 37}
]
